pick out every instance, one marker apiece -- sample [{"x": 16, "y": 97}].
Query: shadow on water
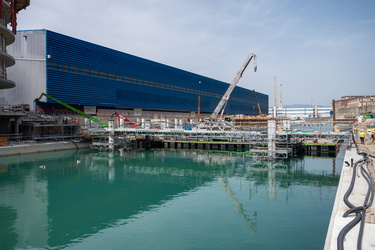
[{"x": 55, "y": 199}]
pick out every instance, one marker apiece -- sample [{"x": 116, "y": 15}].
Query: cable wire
[{"x": 360, "y": 211}]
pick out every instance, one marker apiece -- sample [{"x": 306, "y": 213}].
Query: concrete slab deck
[{"x": 357, "y": 197}]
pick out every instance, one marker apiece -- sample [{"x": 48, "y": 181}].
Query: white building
[{"x": 302, "y": 113}]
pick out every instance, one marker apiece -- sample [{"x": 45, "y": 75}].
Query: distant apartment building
[{"x": 349, "y": 107}]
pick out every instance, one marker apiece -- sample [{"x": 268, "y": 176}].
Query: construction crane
[
  {"x": 74, "y": 109},
  {"x": 225, "y": 98}
]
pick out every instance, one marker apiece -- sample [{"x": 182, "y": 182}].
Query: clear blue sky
[{"x": 318, "y": 50}]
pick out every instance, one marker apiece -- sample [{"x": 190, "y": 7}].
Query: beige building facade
[{"x": 350, "y": 107}]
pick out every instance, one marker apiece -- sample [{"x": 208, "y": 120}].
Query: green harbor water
[{"x": 164, "y": 199}]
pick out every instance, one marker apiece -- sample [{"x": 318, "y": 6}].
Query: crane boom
[
  {"x": 74, "y": 109},
  {"x": 227, "y": 94}
]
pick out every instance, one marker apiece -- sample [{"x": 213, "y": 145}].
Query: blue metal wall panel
[{"x": 82, "y": 73}]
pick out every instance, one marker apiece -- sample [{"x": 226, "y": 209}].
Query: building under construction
[
  {"x": 9, "y": 114},
  {"x": 101, "y": 81}
]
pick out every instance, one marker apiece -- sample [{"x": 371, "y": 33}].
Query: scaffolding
[
  {"x": 285, "y": 143},
  {"x": 50, "y": 128}
]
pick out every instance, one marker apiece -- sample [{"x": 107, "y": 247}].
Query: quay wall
[
  {"x": 25, "y": 148},
  {"x": 297, "y": 148},
  {"x": 41, "y": 147},
  {"x": 337, "y": 221}
]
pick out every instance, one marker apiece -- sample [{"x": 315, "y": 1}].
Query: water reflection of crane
[
  {"x": 239, "y": 207},
  {"x": 271, "y": 168}
]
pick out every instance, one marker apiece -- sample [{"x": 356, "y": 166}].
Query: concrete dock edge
[
  {"x": 41, "y": 147},
  {"x": 337, "y": 221}
]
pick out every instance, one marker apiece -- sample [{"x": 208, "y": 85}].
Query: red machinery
[
  {"x": 15, "y": 7},
  {"x": 120, "y": 117}
]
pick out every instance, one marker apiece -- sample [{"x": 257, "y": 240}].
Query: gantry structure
[{"x": 108, "y": 138}]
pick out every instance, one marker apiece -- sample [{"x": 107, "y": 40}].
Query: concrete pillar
[
  {"x": 286, "y": 125},
  {"x": 111, "y": 137},
  {"x": 271, "y": 139},
  {"x": 18, "y": 124},
  {"x": 121, "y": 123},
  {"x": 162, "y": 124},
  {"x": 87, "y": 123}
]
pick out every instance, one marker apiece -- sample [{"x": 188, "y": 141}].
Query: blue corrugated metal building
[{"x": 82, "y": 73}]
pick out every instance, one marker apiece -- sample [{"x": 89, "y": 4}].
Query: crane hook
[{"x": 255, "y": 66}]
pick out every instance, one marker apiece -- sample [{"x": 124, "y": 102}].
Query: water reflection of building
[
  {"x": 79, "y": 194},
  {"x": 24, "y": 206}
]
